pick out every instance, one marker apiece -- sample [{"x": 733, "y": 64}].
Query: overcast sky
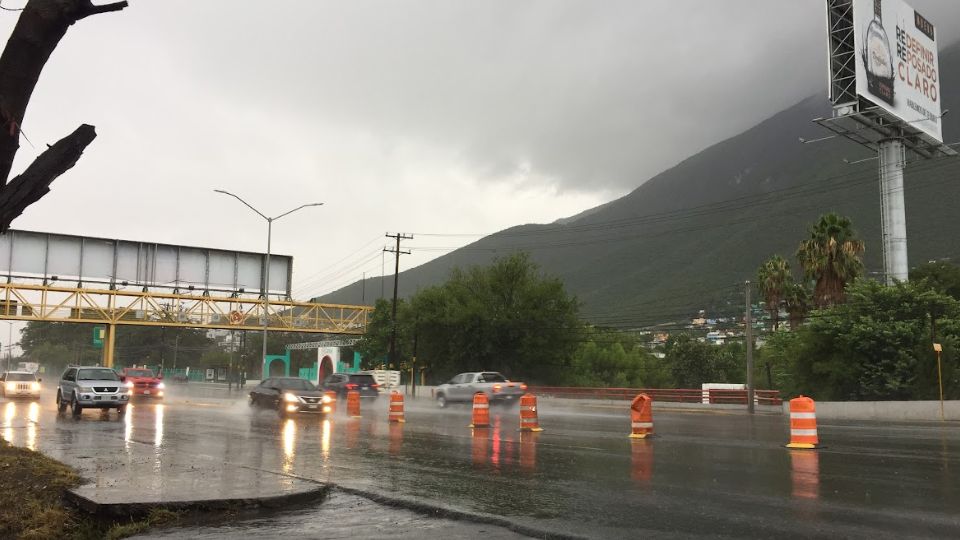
[{"x": 415, "y": 116}]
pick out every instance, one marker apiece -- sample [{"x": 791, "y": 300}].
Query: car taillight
[
  {"x": 523, "y": 386},
  {"x": 351, "y": 386},
  {"x": 374, "y": 385},
  {"x": 496, "y": 388}
]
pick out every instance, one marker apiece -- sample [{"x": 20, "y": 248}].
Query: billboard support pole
[{"x": 892, "y": 214}]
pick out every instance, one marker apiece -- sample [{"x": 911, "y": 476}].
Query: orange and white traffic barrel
[
  {"x": 641, "y": 417},
  {"x": 803, "y": 423},
  {"x": 528, "y": 413},
  {"x": 396, "y": 408},
  {"x": 353, "y": 403},
  {"x": 481, "y": 411}
]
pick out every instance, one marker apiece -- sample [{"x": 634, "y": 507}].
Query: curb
[
  {"x": 437, "y": 511},
  {"x": 142, "y": 509}
]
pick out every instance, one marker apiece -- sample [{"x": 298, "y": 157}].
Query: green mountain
[{"x": 687, "y": 238}]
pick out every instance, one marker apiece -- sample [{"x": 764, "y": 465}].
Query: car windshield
[
  {"x": 362, "y": 379},
  {"x": 99, "y": 374},
  {"x": 21, "y": 377},
  {"x": 295, "y": 384},
  {"x": 139, "y": 373},
  {"x": 493, "y": 377}
]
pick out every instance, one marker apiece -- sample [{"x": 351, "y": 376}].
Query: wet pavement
[{"x": 703, "y": 475}]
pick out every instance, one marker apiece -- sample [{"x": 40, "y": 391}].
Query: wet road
[{"x": 705, "y": 474}]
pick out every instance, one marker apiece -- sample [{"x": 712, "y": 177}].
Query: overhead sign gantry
[{"x": 65, "y": 278}]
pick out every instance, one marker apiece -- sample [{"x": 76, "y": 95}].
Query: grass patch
[{"x": 32, "y": 505}]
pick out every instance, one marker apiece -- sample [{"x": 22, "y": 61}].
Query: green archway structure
[{"x": 269, "y": 359}]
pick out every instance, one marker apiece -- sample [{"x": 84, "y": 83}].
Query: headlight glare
[
  {"x": 290, "y": 398},
  {"x": 35, "y": 386},
  {"x": 161, "y": 386},
  {"x": 326, "y": 399}
]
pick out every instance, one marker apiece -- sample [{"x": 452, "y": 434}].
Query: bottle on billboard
[{"x": 878, "y": 57}]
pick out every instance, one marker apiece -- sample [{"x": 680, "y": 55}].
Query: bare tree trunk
[{"x": 41, "y": 26}]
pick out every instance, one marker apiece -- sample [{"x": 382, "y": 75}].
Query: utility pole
[
  {"x": 748, "y": 334},
  {"x": 396, "y": 279}
]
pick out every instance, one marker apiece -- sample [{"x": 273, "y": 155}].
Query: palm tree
[
  {"x": 772, "y": 278},
  {"x": 831, "y": 258},
  {"x": 796, "y": 298}
]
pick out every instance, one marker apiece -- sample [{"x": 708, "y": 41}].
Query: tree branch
[
  {"x": 34, "y": 183},
  {"x": 90, "y": 9}
]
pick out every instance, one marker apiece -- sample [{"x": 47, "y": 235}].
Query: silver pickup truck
[{"x": 465, "y": 385}]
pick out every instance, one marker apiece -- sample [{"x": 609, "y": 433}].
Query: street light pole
[{"x": 266, "y": 269}]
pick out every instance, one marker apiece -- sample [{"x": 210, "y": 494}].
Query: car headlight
[
  {"x": 129, "y": 384},
  {"x": 11, "y": 386},
  {"x": 290, "y": 398},
  {"x": 161, "y": 386},
  {"x": 326, "y": 399},
  {"x": 85, "y": 389},
  {"x": 35, "y": 387}
]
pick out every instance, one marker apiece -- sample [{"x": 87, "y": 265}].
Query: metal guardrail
[{"x": 675, "y": 395}]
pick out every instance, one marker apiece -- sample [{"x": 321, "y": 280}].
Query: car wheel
[
  {"x": 76, "y": 408},
  {"x": 252, "y": 401},
  {"x": 121, "y": 410},
  {"x": 61, "y": 404},
  {"x": 441, "y": 401}
]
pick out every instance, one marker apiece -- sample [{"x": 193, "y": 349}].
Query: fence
[
  {"x": 675, "y": 395},
  {"x": 181, "y": 374}
]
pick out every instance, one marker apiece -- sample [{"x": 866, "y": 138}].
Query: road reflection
[
  {"x": 641, "y": 460},
  {"x": 325, "y": 439},
  {"x": 480, "y": 445},
  {"x": 396, "y": 438},
  {"x": 128, "y": 427},
  {"x": 33, "y": 419},
  {"x": 805, "y": 474},
  {"x": 9, "y": 413},
  {"x": 158, "y": 425},
  {"x": 528, "y": 450},
  {"x": 289, "y": 444}
]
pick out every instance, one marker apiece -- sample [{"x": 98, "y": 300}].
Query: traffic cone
[
  {"x": 803, "y": 423},
  {"x": 333, "y": 401},
  {"x": 641, "y": 417},
  {"x": 353, "y": 403},
  {"x": 396, "y": 408},
  {"x": 481, "y": 411},
  {"x": 528, "y": 413}
]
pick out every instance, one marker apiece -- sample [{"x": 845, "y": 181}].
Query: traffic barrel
[
  {"x": 481, "y": 411},
  {"x": 528, "y": 413},
  {"x": 353, "y": 403},
  {"x": 396, "y": 408},
  {"x": 333, "y": 401},
  {"x": 641, "y": 417},
  {"x": 803, "y": 423}
]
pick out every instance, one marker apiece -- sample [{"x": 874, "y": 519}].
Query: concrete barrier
[{"x": 893, "y": 411}]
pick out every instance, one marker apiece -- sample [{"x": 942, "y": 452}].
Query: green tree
[
  {"x": 831, "y": 258},
  {"x": 939, "y": 276},
  {"x": 878, "y": 345},
  {"x": 507, "y": 317},
  {"x": 773, "y": 280},
  {"x": 695, "y": 362},
  {"x": 796, "y": 300}
]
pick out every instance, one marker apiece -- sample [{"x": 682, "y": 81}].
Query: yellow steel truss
[{"x": 147, "y": 308}]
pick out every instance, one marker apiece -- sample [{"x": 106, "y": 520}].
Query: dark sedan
[
  {"x": 341, "y": 383},
  {"x": 290, "y": 395}
]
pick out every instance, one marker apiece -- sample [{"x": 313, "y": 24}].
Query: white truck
[{"x": 496, "y": 387}]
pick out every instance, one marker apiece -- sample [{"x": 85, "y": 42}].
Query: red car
[{"x": 143, "y": 382}]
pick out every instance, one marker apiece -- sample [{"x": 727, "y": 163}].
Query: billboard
[{"x": 896, "y": 62}]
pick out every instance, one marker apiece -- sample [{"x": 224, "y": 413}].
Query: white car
[
  {"x": 20, "y": 384},
  {"x": 463, "y": 387}
]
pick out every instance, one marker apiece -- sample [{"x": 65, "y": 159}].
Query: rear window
[
  {"x": 362, "y": 379},
  {"x": 138, "y": 373},
  {"x": 21, "y": 377},
  {"x": 99, "y": 374},
  {"x": 493, "y": 377}
]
